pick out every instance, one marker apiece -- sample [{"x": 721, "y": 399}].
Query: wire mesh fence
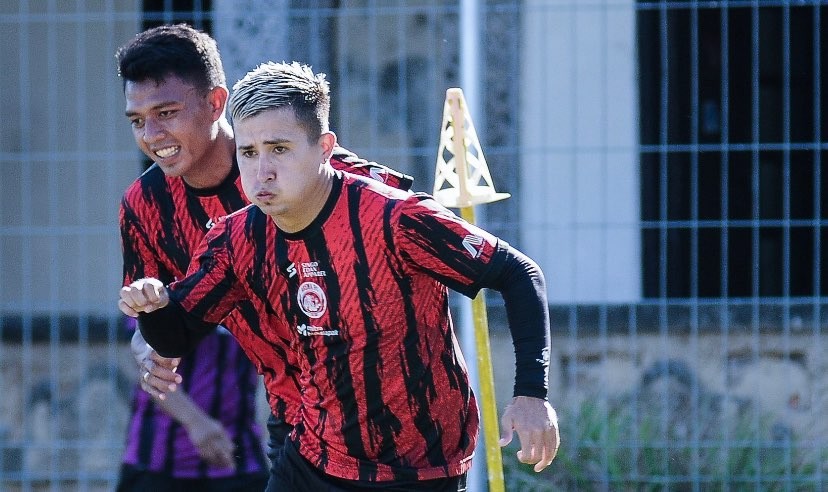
[{"x": 665, "y": 164}]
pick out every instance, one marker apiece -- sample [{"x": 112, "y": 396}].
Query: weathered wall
[{"x": 77, "y": 421}]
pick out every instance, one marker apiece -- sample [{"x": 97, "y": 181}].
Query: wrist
[{"x": 533, "y": 391}]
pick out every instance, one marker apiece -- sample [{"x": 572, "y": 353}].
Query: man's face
[
  {"x": 172, "y": 122},
  {"x": 280, "y": 168}
]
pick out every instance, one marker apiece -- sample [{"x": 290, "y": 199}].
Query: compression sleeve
[
  {"x": 521, "y": 283},
  {"x": 171, "y": 331}
]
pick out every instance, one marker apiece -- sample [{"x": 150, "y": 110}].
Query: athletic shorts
[
  {"x": 293, "y": 472},
  {"x": 277, "y": 431},
  {"x": 134, "y": 480}
]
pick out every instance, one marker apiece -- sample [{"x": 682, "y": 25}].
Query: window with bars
[
  {"x": 193, "y": 12},
  {"x": 732, "y": 181}
]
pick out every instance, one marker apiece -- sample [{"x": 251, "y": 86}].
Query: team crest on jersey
[{"x": 312, "y": 300}]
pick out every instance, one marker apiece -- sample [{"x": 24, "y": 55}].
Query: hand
[
  {"x": 536, "y": 424},
  {"x": 158, "y": 374},
  {"x": 212, "y": 442},
  {"x": 143, "y": 296}
]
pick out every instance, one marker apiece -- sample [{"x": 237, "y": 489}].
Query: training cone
[{"x": 462, "y": 178}]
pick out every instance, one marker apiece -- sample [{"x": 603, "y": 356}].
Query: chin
[
  {"x": 270, "y": 210},
  {"x": 173, "y": 170}
]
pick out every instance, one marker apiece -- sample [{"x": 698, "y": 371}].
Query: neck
[{"x": 217, "y": 161}]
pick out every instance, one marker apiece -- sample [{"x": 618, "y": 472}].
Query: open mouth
[{"x": 167, "y": 151}]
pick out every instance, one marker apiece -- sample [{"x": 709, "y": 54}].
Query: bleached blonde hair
[{"x": 277, "y": 85}]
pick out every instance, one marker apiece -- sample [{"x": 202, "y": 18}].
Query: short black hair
[{"x": 176, "y": 49}]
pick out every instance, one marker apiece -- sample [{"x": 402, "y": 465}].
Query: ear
[
  {"x": 327, "y": 142},
  {"x": 217, "y": 99}
]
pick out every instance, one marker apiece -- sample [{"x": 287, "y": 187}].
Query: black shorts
[
  {"x": 293, "y": 472},
  {"x": 134, "y": 480},
  {"x": 277, "y": 432}
]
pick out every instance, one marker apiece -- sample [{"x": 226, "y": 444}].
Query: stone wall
[
  {"x": 64, "y": 407},
  {"x": 64, "y": 412}
]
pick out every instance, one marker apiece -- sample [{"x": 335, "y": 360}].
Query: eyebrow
[
  {"x": 154, "y": 107},
  {"x": 276, "y": 141}
]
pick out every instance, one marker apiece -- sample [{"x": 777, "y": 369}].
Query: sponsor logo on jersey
[
  {"x": 291, "y": 270},
  {"x": 311, "y": 269},
  {"x": 378, "y": 174},
  {"x": 310, "y": 330},
  {"x": 473, "y": 244},
  {"x": 210, "y": 223},
  {"x": 312, "y": 300}
]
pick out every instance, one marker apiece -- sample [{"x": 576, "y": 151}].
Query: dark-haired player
[{"x": 205, "y": 437}]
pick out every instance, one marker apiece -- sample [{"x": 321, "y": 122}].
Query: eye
[
  {"x": 136, "y": 122},
  {"x": 279, "y": 149},
  {"x": 167, "y": 113},
  {"x": 248, "y": 154}
]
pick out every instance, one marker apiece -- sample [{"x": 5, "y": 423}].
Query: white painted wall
[{"x": 579, "y": 162}]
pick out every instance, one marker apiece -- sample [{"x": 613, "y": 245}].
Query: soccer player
[
  {"x": 357, "y": 275},
  {"x": 205, "y": 437}
]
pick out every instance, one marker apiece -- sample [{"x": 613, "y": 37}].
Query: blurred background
[{"x": 665, "y": 164}]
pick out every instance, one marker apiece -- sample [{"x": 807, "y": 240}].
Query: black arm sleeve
[
  {"x": 171, "y": 331},
  {"x": 520, "y": 281}
]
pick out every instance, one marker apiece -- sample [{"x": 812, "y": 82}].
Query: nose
[
  {"x": 266, "y": 171},
  {"x": 153, "y": 131}
]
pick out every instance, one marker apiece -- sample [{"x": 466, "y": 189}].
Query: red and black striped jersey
[
  {"x": 163, "y": 221},
  {"x": 362, "y": 295}
]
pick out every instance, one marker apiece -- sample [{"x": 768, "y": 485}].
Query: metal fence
[{"x": 666, "y": 165}]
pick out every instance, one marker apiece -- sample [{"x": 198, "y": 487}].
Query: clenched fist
[{"x": 143, "y": 296}]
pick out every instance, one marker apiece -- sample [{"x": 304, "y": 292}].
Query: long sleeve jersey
[
  {"x": 162, "y": 223},
  {"x": 362, "y": 295}
]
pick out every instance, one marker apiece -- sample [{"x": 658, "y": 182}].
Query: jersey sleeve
[
  {"x": 211, "y": 289},
  {"x": 437, "y": 242},
  {"x": 466, "y": 258}
]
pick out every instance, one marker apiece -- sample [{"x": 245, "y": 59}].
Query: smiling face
[
  {"x": 283, "y": 172},
  {"x": 174, "y": 123}
]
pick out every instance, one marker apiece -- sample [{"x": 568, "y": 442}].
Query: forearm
[
  {"x": 179, "y": 406},
  {"x": 522, "y": 285},
  {"x": 207, "y": 434},
  {"x": 176, "y": 404},
  {"x": 171, "y": 331}
]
